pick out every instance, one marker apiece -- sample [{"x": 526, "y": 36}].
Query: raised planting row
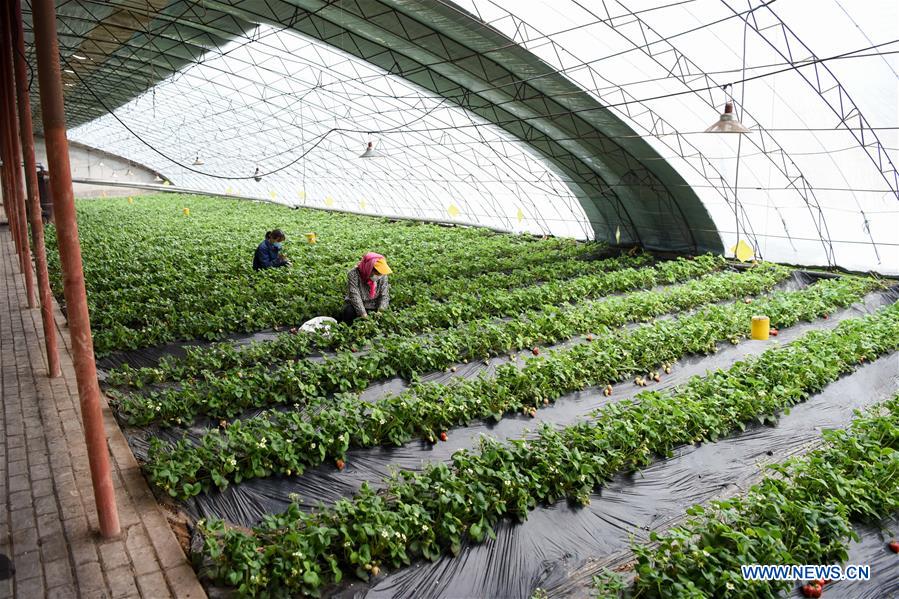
[
  {"x": 290, "y": 345},
  {"x": 496, "y": 303},
  {"x": 427, "y": 513},
  {"x": 801, "y": 514},
  {"x": 289, "y": 442},
  {"x": 154, "y": 275},
  {"x": 224, "y": 395}
]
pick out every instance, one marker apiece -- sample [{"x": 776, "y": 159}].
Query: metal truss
[
  {"x": 590, "y": 160},
  {"x": 679, "y": 66},
  {"x": 769, "y": 26},
  {"x": 581, "y": 134}
]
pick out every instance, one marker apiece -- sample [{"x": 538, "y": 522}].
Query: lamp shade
[
  {"x": 728, "y": 122},
  {"x": 370, "y": 151}
]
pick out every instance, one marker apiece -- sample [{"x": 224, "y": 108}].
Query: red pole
[
  {"x": 9, "y": 161},
  {"x": 34, "y": 202},
  {"x": 12, "y": 163},
  {"x": 19, "y": 188},
  {"x": 4, "y": 158},
  {"x": 8, "y": 205},
  {"x": 43, "y": 14}
]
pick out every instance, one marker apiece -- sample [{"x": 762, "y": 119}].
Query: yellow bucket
[
  {"x": 761, "y": 327},
  {"x": 310, "y": 237},
  {"x": 186, "y": 211}
]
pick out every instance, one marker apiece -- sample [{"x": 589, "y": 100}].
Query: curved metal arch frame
[
  {"x": 423, "y": 161},
  {"x": 826, "y": 84},
  {"x": 116, "y": 84},
  {"x": 611, "y": 194},
  {"x": 330, "y": 31},
  {"x": 656, "y": 126},
  {"x": 255, "y": 38},
  {"x": 521, "y": 92},
  {"x": 681, "y": 67}
]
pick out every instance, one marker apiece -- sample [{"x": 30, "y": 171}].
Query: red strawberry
[
  {"x": 894, "y": 546},
  {"x": 811, "y": 590},
  {"x": 773, "y": 332},
  {"x": 589, "y": 337},
  {"x": 443, "y": 436},
  {"x": 536, "y": 351},
  {"x": 340, "y": 464},
  {"x": 826, "y": 316}
]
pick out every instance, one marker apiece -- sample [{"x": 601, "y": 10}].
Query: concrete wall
[{"x": 88, "y": 163}]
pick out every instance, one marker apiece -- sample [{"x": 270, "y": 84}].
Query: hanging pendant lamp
[
  {"x": 728, "y": 123},
  {"x": 370, "y": 151}
]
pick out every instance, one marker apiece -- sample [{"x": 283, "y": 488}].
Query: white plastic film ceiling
[{"x": 813, "y": 183}]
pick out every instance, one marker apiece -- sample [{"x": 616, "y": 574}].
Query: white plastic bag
[{"x": 321, "y": 324}]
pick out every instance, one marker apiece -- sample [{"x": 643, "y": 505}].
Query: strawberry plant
[
  {"x": 153, "y": 276},
  {"x": 226, "y": 394},
  {"x": 433, "y": 406},
  {"x": 426, "y": 513},
  {"x": 291, "y": 345},
  {"x": 801, "y": 514}
]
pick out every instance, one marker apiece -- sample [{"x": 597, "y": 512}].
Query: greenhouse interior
[{"x": 468, "y": 299}]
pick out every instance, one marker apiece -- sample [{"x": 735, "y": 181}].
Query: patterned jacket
[{"x": 357, "y": 293}]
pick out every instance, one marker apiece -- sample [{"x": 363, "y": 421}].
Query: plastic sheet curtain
[
  {"x": 809, "y": 191},
  {"x": 302, "y": 112},
  {"x": 814, "y": 183}
]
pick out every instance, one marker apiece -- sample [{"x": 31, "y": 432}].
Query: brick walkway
[{"x": 48, "y": 523}]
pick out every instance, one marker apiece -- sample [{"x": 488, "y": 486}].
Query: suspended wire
[
  {"x": 865, "y": 35},
  {"x": 405, "y": 129},
  {"x": 477, "y": 126}
]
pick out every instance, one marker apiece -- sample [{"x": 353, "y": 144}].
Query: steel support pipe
[
  {"x": 16, "y": 152},
  {"x": 12, "y": 212},
  {"x": 54, "y": 120},
  {"x": 9, "y": 205},
  {"x": 26, "y": 132},
  {"x": 9, "y": 161}
]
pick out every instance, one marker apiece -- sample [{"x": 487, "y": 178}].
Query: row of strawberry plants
[
  {"x": 157, "y": 231},
  {"x": 290, "y": 345},
  {"x": 427, "y": 513},
  {"x": 801, "y": 514},
  {"x": 154, "y": 312},
  {"x": 280, "y": 442},
  {"x": 154, "y": 275},
  {"x": 562, "y": 263},
  {"x": 224, "y": 395}
]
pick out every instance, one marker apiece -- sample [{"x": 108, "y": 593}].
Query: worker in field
[
  {"x": 268, "y": 254},
  {"x": 367, "y": 288}
]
